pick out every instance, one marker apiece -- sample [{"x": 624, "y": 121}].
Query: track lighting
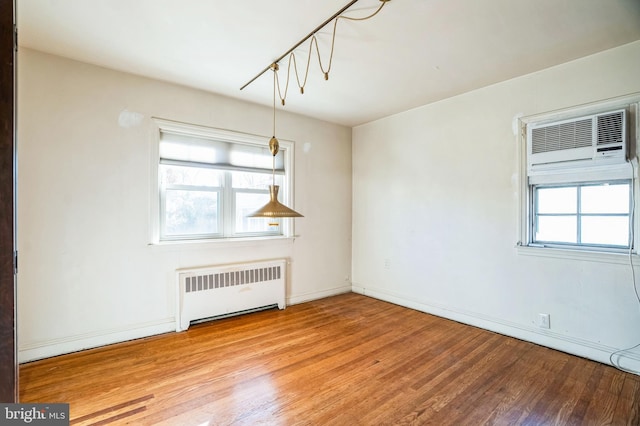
[{"x": 274, "y": 209}]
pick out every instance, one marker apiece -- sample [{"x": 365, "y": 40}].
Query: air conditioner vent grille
[
  {"x": 576, "y": 134},
  {"x": 610, "y": 128}
]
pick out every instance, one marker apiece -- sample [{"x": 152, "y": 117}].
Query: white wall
[
  {"x": 435, "y": 214},
  {"x": 87, "y": 274}
]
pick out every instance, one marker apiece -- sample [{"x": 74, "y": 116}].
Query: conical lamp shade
[{"x": 274, "y": 208}]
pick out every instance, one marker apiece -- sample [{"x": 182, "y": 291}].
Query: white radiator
[{"x": 224, "y": 290}]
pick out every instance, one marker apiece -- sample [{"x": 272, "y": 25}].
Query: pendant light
[{"x": 274, "y": 209}]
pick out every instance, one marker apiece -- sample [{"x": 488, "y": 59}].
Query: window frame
[
  {"x": 162, "y": 215},
  {"x": 524, "y": 233},
  {"x": 226, "y": 194},
  {"x": 579, "y": 214},
  {"x": 230, "y": 193}
]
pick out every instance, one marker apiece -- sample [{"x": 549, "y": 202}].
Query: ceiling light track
[{"x": 312, "y": 35}]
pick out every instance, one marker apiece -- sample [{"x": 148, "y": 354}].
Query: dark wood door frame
[{"x": 8, "y": 352}]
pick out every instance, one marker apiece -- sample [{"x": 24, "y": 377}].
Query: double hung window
[{"x": 209, "y": 181}]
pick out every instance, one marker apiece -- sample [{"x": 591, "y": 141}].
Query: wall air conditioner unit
[{"x": 594, "y": 140}]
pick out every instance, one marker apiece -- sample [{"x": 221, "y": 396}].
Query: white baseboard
[
  {"x": 306, "y": 297},
  {"x": 572, "y": 345},
  {"x": 31, "y": 351}
]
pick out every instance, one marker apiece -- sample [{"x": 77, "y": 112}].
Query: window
[
  {"x": 210, "y": 180},
  {"x": 579, "y": 179},
  {"x": 587, "y": 215}
]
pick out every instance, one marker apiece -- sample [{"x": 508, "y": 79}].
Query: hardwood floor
[{"x": 344, "y": 360}]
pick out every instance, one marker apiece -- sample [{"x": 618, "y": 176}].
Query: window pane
[
  {"x": 191, "y": 212},
  {"x": 247, "y": 203},
  {"x": 606, "y": 230},
  {"x": 557, "y": 200},
  {"x": 249, "y": 180},
  {"x": 195, "y": 176},
  {"x": 560, "y": 229},
  {"x": 605, "y": 199}
]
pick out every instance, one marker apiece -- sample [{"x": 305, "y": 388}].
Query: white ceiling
[{"x": 412, "y": 53}]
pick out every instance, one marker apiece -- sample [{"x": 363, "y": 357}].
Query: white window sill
[
  {"x": 222, "y": 242},
  {"x": 581, "y": 255}
]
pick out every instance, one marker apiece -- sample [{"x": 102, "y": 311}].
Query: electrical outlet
[
  {"x": 387, "y": 264},
  {"x": 544, "y": 321}
]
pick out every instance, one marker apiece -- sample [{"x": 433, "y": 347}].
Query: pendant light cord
[
  {"x": 273, "y": 153},
  {"x": 312, "y": 43},
  {"x": 275, "y": 79}
]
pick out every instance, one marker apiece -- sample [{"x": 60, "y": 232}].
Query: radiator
[{"x": 224, "y": 290}]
